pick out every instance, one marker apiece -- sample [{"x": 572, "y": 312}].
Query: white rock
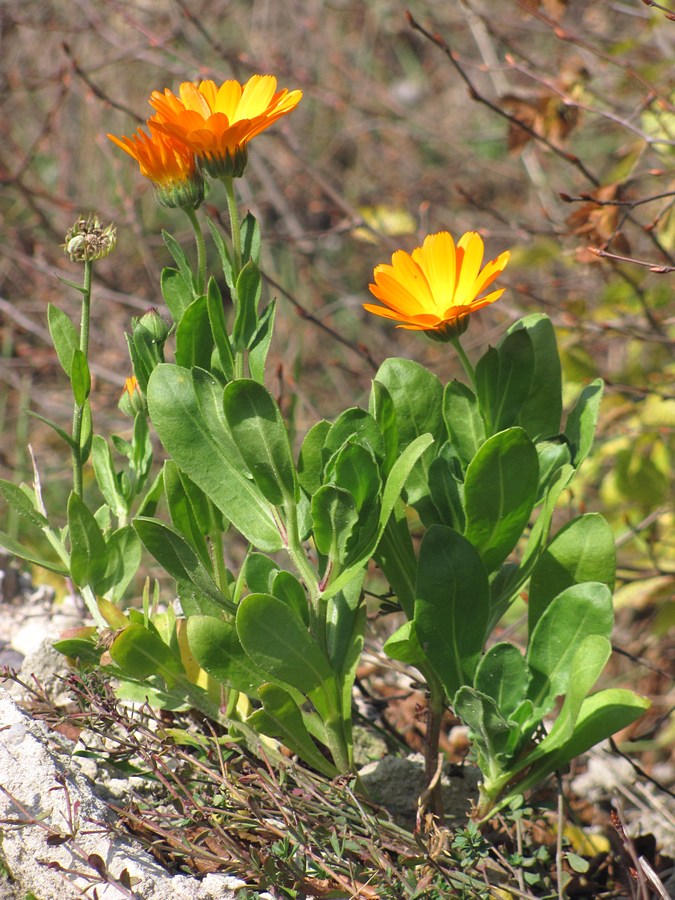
[{"x": 48, "y": 796}]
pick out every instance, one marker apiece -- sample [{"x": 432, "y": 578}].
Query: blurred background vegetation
[{"x": 547, "y": 125}]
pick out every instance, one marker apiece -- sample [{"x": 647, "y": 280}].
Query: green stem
[
  {"x": 297, "y": 554},
  {"x": 78, "y": 411},
  {"x": 235, "y": 225},
  {"x": 468, "y": 368},
  {"x": 201, "y": 248},
  {"x": 216, "y": 537}
]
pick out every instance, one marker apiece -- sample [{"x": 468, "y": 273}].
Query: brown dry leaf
[
  {"x": 547, "y": 115},
  {"x": 597, "y": 224}
]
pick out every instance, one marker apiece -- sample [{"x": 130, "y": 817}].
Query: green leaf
[
  {"x": 334, "y": 516},
  {"x": 601, "y": 715},
  {"x": 489, "y": 729},
  {"x": 354, "y": 469},
  {"x": 186, "y": 410},
  {"x": 399, "y": 475},
  {"x": 354, "y": 425},
  {"x": 88, "y": 556},
  {"x": 553, "y": 454},
  {"x": 223, "y": 252},
  {"x": 260, "y": 343},
  {"x": 582, "y": 551},
  {"x": 277, "y": 640},
  {"x": 452, "y": 599},
  {"x": 57, "y": 428},
  {"x": 80, "y": 379},
  {"x": 216, "y": 314},
  {"x": 503, "y": 675},
  {"x": 84, "y": 651},
  {"x": 173, "y": 552},
  {"x": 280, "y": 718},
  {"x": 12, "y": 546},
  {"x": 180, "y": 258},
  {"x": 216, "y": 647},
  {"x": 579, "y": 611},
  {"x": 463, "y": 421},
  {"x": 248, "y": 291},
  {"x": 344, "y": 627},
  {"x": 390, "y": 495},
  {"x": 259, "y": 572},
  {"x": 403, "y": 645},
  {"x": 382, "y": 409},
  {"x": 140, "y": 461},
  {"x": 286, "y": 587},
  {"x": 417, "y": 396},
  {"x": 177, "y": 292},
  {"x": 250, "y": 239},
  {"x": 587, "y": 664},
  {"x": 447, "y": 489},
  {"x": 123, "y": 550},
  {"x": 582, "y": 421},
  {"x": 311, "y": 459},
  {"x": 541, "y": 412},
  {"x": 140, "y": 652},
  {"x": 504, "y": 379},
  {"x": 261, "y": 437},
  {"x": 395, "y": 555},
  {"x": 106, "y": 477},
  {"x": 499, "y": 494},
  {"x": 194, "y": 340},
  {"x": 65, "y": 338},
  {"x": 22, "y": 503},
  {"x": 183, "y": 498}
]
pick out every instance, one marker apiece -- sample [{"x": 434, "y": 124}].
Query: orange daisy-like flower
[
  {"x": 438, "y": 286},
  {"x": 218, "y": 122},
  {"x": 168, "y": 163}
]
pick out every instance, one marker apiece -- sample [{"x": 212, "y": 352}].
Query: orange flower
[
  {"x": 438, "y": 286},
  {"x": 218, "y": 122},
  {"x": 168, "y": 163}
]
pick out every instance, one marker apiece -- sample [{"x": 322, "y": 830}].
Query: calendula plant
[{"x": 473, "y": 468}]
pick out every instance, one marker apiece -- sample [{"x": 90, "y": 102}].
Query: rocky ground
[{"x": 60, "y": 839}]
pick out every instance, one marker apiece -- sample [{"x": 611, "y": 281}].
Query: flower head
[
  {"x": 218, "y": 122},
  {"x": 87, "y": 240},
  {"x": 132, "y": 400},
  {"x": 168, "y": 163},
  {"x": 438, "y": 286}
]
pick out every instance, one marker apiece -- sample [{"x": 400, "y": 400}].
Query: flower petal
[{"x": 469, "y": 258}]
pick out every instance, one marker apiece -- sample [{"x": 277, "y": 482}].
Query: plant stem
[
  {"x": 235, "y": 225},
  {"x": 216, "y": 537},
  {"x": 433, "y": 798},
  {"x": 466, "y": 362},
  {"x": 559, "y": 841},
  {"x": 78, "y": 411},
  {"x": 201, "y": 248}
]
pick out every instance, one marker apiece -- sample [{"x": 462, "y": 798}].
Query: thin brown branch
[
  {"x": 453, "y": 57},
  {"x": 358, "y": 348},
  {"x": 605, "y": 254}
]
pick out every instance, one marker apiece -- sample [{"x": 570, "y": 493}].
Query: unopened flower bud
[
  {"x": 132, "y": 400},
  {"x": 156, "y": 327}
]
